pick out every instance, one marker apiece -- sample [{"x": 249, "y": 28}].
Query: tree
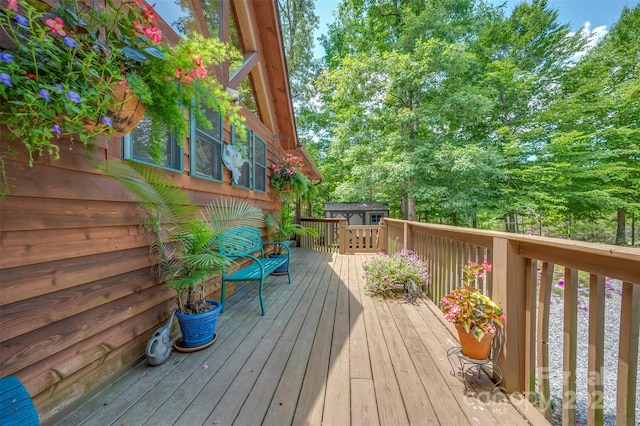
[{"x": 597, "y": 134}]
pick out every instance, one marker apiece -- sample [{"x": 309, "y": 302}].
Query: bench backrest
[{"x": 240, "y": 242}]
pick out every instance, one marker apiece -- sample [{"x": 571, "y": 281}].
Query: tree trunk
[
  {"x": 411, "y": 208},
  {"x": 621, "y": 231}
]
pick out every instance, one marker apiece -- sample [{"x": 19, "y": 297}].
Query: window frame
[
  {"x": 177, "y": 155},
  {"x": 249, "y": 163},
  {"x": 193, "y": 131},
  {"x": 255, "y": 165}
]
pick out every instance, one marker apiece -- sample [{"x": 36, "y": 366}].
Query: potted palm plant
[
  {"x": 282, "y": 228},
  {"x": 184, "y": 242}
]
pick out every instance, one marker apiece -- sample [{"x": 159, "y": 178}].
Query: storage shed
[{"x": 359, "y": 213}]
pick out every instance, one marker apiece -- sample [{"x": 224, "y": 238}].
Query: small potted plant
[
  {"x": 402, "y": 271},
  {"x": 288, "y": 177},
  {"x": 281, "y": 228},
  {"x": 77, "y": 71},
  {"x": 475, "y": 315},
  {"x": 184, "y": 242}
]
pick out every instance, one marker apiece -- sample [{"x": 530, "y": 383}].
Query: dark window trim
[
  {"x": 255, "y": 164},
  {"x": 192, "y": 150}
]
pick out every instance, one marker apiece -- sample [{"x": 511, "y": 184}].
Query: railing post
[
  {"x": 406, "y": 237},
  {"x": 628, "y": 354},
  {"x": 509, "y": 292},
  {"x": 342, "y": 244},
  {"x": 384, "y": 236}
]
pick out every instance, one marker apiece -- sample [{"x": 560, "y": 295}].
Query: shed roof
[{"x": 362, "y": 205}]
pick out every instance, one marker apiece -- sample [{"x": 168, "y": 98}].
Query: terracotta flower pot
[{"x": 470, "y": 345}]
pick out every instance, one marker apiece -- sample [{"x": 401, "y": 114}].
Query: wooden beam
[{"x": 251, "y": 59}]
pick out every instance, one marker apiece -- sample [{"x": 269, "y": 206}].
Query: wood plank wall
[{"x": 78, "y": 297}]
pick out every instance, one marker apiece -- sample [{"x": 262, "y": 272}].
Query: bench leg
[
  {"x": 260, "y": 293},
  {"x": 288, "y": 276},
  {"x": 222, "y": 288}
]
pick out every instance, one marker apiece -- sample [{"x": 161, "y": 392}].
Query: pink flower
[
  {"x": 486, "y": 266},
  {"x": 154, "y": 34},
  {"x": 56, "y": 26},
  {"x": 124, "y": 84},
  {"x": 12, "y": 5}
]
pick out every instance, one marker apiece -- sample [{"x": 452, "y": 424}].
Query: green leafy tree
[{"x": 597, "y": 133}]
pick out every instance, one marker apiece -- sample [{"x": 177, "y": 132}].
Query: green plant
[
  {"x": 183, "y": 240},
  {"x": 469, "y": 308},
  {"x": 69, "y": 71},
  {"x": 282, "y": 228},
  {"x": 385, "y": 273},
  {"x": 288, "y": 176}
]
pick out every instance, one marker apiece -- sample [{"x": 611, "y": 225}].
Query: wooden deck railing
[
  {"x": 328, "y": 239},
  {"x": 521, "y": 282},
  {"x": 334, "y": 235}
]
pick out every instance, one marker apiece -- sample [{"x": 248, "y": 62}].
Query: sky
[{"x": 596, "y": 15}]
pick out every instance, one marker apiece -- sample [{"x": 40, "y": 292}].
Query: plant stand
[{"x": 462, "y": 366}]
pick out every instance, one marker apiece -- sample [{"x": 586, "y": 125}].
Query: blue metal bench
[
  {"x": 245, "y": 243},
  {"x": 16, "y": 407}
]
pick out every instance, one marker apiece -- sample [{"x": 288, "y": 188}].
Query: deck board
[{"x": 324, "y": 353}]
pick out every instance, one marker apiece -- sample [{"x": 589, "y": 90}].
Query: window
[
  {"x": 259, "y": 164},
  {"x": 375, "y": 218},
  {"x": 136, "y": 146},
  {"x": 206, "y": 148},
  {"x": 238, "y": 136}
]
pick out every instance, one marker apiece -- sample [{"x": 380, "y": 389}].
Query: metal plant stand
[{"x": 463, "y": 366}]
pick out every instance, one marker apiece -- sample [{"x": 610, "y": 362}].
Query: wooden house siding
[{"x": 78, "y": 297}]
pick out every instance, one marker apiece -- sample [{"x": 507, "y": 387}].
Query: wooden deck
[{"x": 324, "y": 353}]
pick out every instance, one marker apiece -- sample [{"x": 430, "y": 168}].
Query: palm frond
[
  {"x": 157, "y": 194},
  {"x": 223, "y": 215}
]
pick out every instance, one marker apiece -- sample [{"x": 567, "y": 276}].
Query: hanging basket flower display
[
  {"x": 78, "y": 71},
  {"x": 288, "y": 177}
]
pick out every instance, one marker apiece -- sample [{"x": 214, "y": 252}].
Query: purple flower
[
  {"x": 73, "y": 96},
  {"x": 59, "y": 88},
  {"x": 56, "y": 129},
  {"x": 561, "y": 283},
  {"x": 22, "y": 20},
  {"x": 69, "y": 41},
  {"x": 107, "y": 121},
  {"x": 4, "y": 78},
  {"x": 5, "y": 57},
  {"x": 44, "y": 94}
]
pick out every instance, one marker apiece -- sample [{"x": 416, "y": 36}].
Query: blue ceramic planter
[
  {"x": 199, "y": 329},
  {"x": 282, "y": 269}
]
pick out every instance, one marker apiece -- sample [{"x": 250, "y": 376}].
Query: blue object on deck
[
  {"x": 16, "y": 407},
  {"x": 243, "y": 243}
]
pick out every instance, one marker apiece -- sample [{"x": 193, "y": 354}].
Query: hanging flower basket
[
  {"x": 129, "y": 112},
  {"x": 124, "y": 117}
]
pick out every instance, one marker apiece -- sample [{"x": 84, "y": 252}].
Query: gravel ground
[{"x": 612, "y": 320}]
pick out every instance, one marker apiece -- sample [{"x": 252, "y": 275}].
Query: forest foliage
[{"x": 461, "y": 112}]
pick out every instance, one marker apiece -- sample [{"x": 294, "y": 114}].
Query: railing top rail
[
  {"x": 322, "y": 219},
  {"x": 603, "y": 259},
  {"x": 364, "y": 226}
]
